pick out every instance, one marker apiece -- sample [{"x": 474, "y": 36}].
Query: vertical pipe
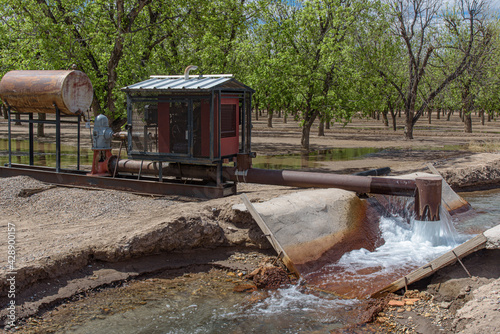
[
  {"x": 78, "y": 144},
  {"x": 31, "y": 140},
  {"x": 190, "y": 128},
  {"x": 160, "y": 171},
  {"x": 9, "y": 135},
  {"x": 212, "y": 126},
  {"x": 129, "y": 119},
  {"x": 428, "y": 198},
  {"x": 58, "y": 140},
  {"x": 219, "y": 97},
  {"x": 249, "y": 125},
  {"x": 243, "y": 125}
]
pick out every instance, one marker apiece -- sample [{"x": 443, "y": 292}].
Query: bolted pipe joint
[{"x": 428, "y": 198}]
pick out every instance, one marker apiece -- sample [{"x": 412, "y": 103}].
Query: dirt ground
[{"x": 72, "y": 240}]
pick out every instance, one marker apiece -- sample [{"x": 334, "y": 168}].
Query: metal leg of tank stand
[
  {"x": 10, "y": 135},
  {"x": 78, "y": 144},
  {"x": 31, "y": 134},
  {"x": 58, "y": 140}
]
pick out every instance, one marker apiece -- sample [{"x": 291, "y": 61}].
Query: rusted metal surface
[
  {"x": 168, "y": 169},
  {"x": 42, "y": 91},
  {"x": 451, "y": 200},
  {"x": 359, "y": 184},
  {"x": 428, "y": 197},
  {"x": 243, "y": 161},
  {"x": 49, "y": 175}
]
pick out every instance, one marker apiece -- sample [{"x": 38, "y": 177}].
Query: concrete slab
[{"x": 310, "y": 224}]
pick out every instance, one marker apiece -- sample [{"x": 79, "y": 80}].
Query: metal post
[
  {"x": 9, "y": 135},
  {"x": 78, "y": 144},
  {"x": 212, "y": 126},
  {"x": 428, "y": 198},
  {"x": 160, "y": 171},
  {"x": 249, "y": 125},
  {"x": 219, "y": 129},
  {"x": 58, "y": 140},
  {"x": 243, "y": 125},
  {"x": 31, "y": 134}
]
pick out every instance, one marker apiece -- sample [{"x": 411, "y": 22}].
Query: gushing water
[{"x": 406, "y": 246}]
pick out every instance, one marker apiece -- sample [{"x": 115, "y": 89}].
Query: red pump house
[{"x": 189, "y": 120}]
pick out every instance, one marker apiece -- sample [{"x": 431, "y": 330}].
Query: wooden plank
[
  {"x": 269, "y": 235},
  {"x": 468, "y": 247}
]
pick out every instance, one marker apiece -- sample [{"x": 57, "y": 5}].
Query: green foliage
[{"x": 313, "y": 58}]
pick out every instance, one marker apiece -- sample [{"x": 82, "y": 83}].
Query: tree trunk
[
  {"x": 438, "y": 113},
  {"x": 481, "y": 113},
  {"x": 409, "y": 125},
  {"x": 394, "y": 115},
  {"x": 304, "y": 141},
  {"x": 467, "y": 122},
  {"x": 489, "y": 115},
  {"x": 39, "y": 127},
  {"x": 321, "y": 127},
  {"x": 269, "y": 118},
  {"x": 449, "y": 114},
  {"x": 285, "y": 118},
  {"x": 306, "y": 129},
  {"x": 429, "y": 114},
  {"x": 17, "y": 117},
  {"x": 385, "y": 119},
  {"x": 257, "y": 112}
]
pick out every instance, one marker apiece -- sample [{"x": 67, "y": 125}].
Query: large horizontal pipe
[
  {"x": 359, "y": 184},
  {"x": 168, "y": 169}
]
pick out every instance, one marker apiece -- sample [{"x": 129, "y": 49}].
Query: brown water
[
  {"x": 199, "y": 303},
  {"x": 44, "y": 154}
]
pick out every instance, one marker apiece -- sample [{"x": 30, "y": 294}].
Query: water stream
[
  {"x": 205, "y": 302},
  {"x": 406, "y": 247}
]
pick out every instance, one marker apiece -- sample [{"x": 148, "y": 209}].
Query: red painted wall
[{"x": 230, "y": 145}]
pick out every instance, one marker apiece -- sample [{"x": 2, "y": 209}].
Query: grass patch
[{"x": 486, "y": 146}]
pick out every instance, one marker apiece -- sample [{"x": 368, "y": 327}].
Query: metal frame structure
[
  {"x": 175, "y": 89},
  {"x": 57, "y": 122}
]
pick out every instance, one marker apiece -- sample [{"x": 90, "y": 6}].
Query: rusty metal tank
[{"x": 41, "y": 91}]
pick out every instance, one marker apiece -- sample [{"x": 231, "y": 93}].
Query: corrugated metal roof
[{"x": 201, "y": 83}]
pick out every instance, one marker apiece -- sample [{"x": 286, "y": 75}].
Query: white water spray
[{"x": 436, "y": 233}]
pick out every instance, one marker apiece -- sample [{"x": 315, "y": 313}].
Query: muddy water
[
  {"x": 310, "y": 160},
  {"x": 206, "y": 302},
  {"x": 44, "y": 154},
  {"x": 197, "y": 303}
]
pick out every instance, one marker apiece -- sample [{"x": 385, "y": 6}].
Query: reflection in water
[
  {"x": 44, "y": 154},
  {"x": 310, "y": 160}
]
